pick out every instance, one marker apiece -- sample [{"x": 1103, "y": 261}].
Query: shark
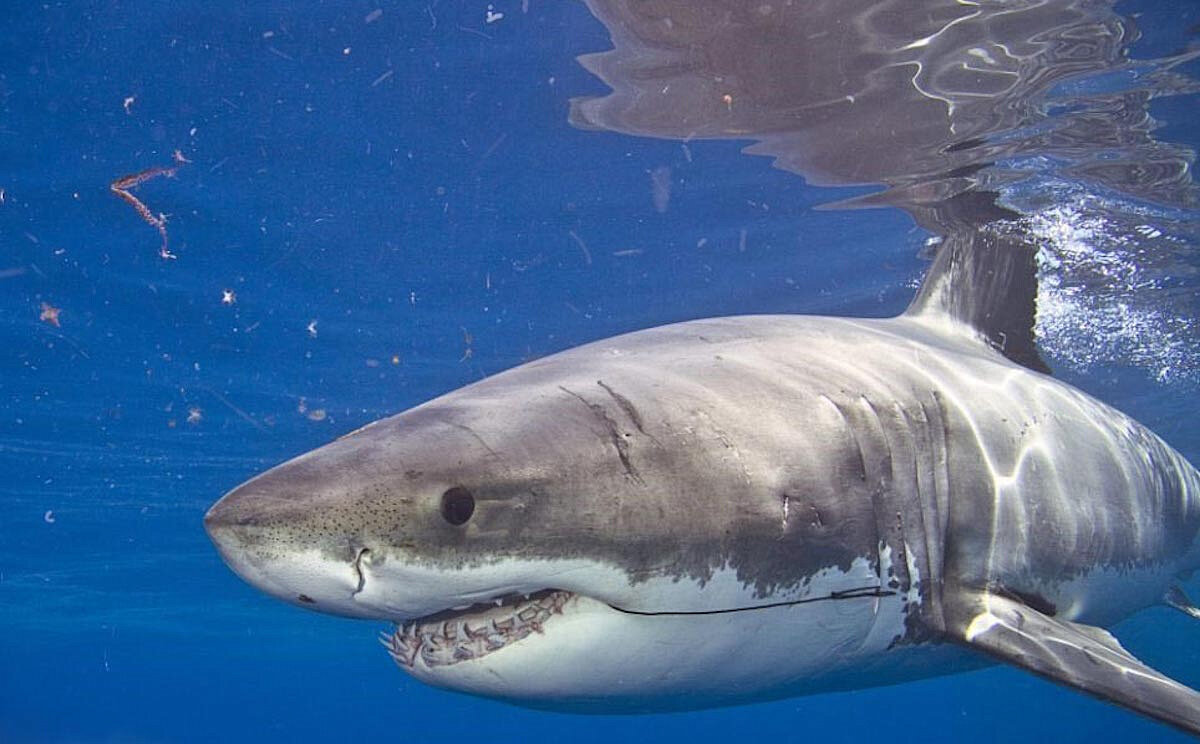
[{"x": 737, "y": 509}]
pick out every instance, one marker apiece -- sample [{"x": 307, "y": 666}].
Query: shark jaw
[
  {"x": 592, "y": 641},
  {"x": 465, "y": 634}
]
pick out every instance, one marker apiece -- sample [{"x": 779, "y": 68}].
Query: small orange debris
[{"x": 50, "y": 314}]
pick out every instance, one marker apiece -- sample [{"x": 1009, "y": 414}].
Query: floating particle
[
  {"x": 48, "y": 517},
  {"x": 492, "y": 15},
  {"x": 395, "y": 359},
  {"x": 1, "y": 196},
  {"x": 128, "y": 104},
  {"x": 317, "y": 414},
  {"x": 195, "y": 415},
  {"x": 373, "y": 16},
  {"x": 728, "y": 99},
  {"x": 468, "y": 339},
  {"x": 50, "y": 314},
  {"x": 660, "y": 188},
  {"x": 587, "y": 254},
  {"x": 302, "y": 405},
  {"x": 371, "y": 362},
  {"x": 311, "y": 328},
  {"x": 228, "y": 297}
]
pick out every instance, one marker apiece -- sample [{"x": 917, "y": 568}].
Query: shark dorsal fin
[{"x": 984, "y": 277}]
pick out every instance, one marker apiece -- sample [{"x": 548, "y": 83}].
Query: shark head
[{"x": 567, "y": 535}]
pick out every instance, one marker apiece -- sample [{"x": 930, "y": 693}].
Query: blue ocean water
[{"x": 373, "y": 204}]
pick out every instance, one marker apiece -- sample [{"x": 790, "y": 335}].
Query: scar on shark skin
[
  {"x": 614, "y": 435},
  {"x": 123, "y": 187}
]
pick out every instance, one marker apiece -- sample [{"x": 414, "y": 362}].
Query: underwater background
[{"x": 232, "y": 231}]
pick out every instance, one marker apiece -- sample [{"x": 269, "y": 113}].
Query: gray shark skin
[{"x": 737, "y": 509}]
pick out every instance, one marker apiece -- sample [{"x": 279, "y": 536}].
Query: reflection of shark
[
  {"x": 744, "y": 508},
  {"x": 918, "y": 95}
]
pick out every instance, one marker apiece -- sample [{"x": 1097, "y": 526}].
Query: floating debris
[
  {"x": 50, "y": 314},
  {"x": 123, "y": 187},
  {"x": 228, "y": 297},
  {"x": 468, "y": 339},
  {"x": 660, "y": 188},
  {"x": 313, "y": 414},
  {"x": 587, "y": 255},
  {"x": 48, "y": 517}
]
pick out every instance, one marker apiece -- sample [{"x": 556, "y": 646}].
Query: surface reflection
[{"x": 953, "y": 107}]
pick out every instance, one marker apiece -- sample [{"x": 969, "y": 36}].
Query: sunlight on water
[{"x": 1109, "y": 281}]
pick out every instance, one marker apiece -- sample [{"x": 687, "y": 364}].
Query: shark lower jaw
[{"x": 468, "y": 634}]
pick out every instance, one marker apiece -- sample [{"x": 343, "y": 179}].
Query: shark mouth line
[
  {"x": 454, "y": 636},
  {"x": 464, "y": 634}
]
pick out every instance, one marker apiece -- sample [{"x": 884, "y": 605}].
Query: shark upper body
[{"x": 738, "y": 509}]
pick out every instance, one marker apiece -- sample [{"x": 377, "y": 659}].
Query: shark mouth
[{"x": 454, "y": 636}]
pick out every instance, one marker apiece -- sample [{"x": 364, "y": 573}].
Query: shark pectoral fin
[
  {"x": 1080, "y": 656},
  {"x": 1177, "y": 599}
]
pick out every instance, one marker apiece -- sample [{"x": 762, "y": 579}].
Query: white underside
[{"x": 594, "y": 655}]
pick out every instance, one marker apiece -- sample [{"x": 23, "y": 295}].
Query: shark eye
[{"x": 457, "y": 505}]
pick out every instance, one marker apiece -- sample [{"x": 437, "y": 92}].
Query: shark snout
[{"x": 273, "y": 543}]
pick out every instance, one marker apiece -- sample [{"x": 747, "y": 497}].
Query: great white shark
[{"x": 745, "y": 508}]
